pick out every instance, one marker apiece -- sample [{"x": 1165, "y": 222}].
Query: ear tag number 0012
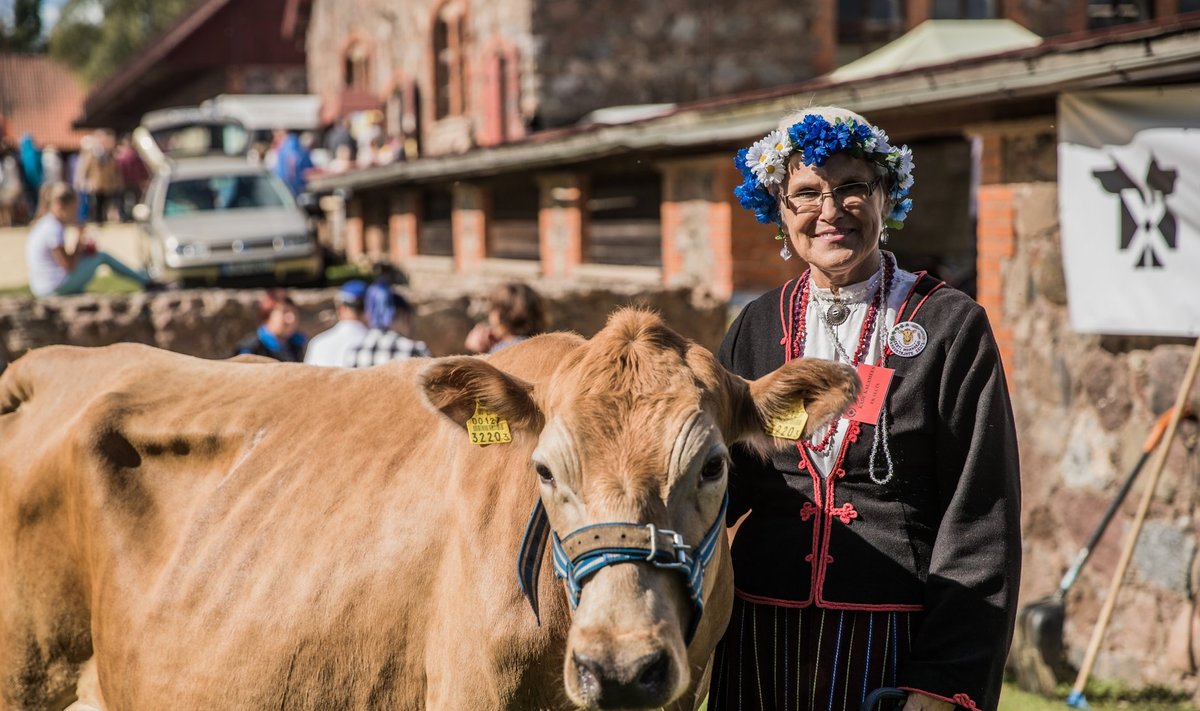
[
  {"x": 486, "y": 428},
  {"x": 790, "y": 425}
]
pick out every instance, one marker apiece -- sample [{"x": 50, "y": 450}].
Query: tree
[
  {"x": 26, "y": 32},
  {"x": 98, "y": 47}
]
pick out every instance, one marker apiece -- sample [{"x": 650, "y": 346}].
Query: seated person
[
  {"x": 385, "y": 309},
  {"x": 52, "y": 269},
  {"x": 514, "y": 314},
  {"x": 276, "y": 336}
]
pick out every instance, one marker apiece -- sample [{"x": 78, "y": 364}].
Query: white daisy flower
[
  {"x": 759, "y": 154},
  {"x": 770, "y": 171},
  {"x": 878, "y": 142},
  {"x": 779, "y": 142},
  {"x": 904, "y": 167}
]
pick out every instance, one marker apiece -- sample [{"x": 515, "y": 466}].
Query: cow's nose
[{"x": 644, "y": 683}]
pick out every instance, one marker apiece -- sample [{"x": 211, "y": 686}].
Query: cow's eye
[
  {"x": 713, "y": 469},
  {"x": 543, "y": 472}
]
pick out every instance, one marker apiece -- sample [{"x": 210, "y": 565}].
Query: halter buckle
[{"x": 679, "y": 550}]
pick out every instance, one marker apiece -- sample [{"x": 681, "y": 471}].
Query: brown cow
[{"x": 249, "y": 536}]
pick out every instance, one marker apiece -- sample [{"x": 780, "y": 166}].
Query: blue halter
[{"x": 585, "y": 551}]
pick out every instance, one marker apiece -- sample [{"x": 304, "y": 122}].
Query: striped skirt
[{"x": 806, "y": 659}]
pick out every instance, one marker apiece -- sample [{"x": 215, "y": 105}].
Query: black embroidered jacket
[{"x": 942, "y": 537}]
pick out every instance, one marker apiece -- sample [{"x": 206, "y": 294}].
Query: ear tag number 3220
[
  {"x": 790, "y": 425},
  {"x": 486, "y": 428}
]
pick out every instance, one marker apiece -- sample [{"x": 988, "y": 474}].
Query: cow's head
[{"x": 634, "y": 426}]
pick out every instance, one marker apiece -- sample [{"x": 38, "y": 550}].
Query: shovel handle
[
  {"x": 1159, "y": 428},
  {"x": 1160, "y": 459}
]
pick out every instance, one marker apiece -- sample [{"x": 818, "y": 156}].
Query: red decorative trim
[
  {"x": 864, "y": 607},
  {"x": 911, "y": 290},
  {"x": 921, "y": 303},
  {"x": 808, "y": 510},
  {"x": 845, "y": 513},
  {"x": 959, "y": 699},
  {"x": 763, "y": 600},
  {"x": 785, "y": 319}
]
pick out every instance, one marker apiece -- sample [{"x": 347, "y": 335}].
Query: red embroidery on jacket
[
  {"x": 965, "y": 700},
  {"x": 808, "y": 510},
  {"x": 845, "y": 512}
]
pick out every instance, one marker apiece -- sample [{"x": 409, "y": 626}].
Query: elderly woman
[{"x": 884, "y": 550}]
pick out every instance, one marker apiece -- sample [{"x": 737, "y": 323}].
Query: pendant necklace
[{"x": 837, "y": 313}]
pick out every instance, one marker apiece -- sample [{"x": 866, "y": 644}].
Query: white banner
[{"x": 1129, "y": 209}]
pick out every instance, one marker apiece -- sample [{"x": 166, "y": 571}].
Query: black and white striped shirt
[{"x": 382, "y": 346}]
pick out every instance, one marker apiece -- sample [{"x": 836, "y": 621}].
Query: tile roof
[{"x": 41, "y": 96}]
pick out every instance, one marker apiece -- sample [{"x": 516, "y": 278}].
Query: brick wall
[
  {"x": 997, "y": 244},
  {"x": 754, "y": 252},
  {"x": 562, "y": 221}
]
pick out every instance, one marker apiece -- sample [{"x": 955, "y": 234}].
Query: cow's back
[{"x": 248, "y": 535}]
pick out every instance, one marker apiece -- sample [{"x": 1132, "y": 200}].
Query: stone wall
[
  {"x": 1084, "y": 406},
  {"x": 597, "y": 54},
  {"x": 208, "y": 323}
]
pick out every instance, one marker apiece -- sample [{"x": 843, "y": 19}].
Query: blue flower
[
  {"x": 817, "y": 140},
  {"x": 740, "y": 161},
  {"x": 753, "y": 197}
]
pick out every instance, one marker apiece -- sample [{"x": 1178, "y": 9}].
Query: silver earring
[
  {"x": 785, "y": 252},
  {"x": 883, "y": 236}
]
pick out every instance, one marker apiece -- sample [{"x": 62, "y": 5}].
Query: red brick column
[
  {"x": 997, "y": 242},
  {"x": 755, "y": 261},
  {"x": 562, "y": 222},
  {"x": 695, "y": 225},
  {"x": 404, "y": 219},
  {"x": 355, "y": 249},
  {"x": 469, "y": 224}
]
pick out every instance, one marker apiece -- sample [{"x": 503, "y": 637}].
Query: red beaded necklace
[{"x": 799, "y": 318}]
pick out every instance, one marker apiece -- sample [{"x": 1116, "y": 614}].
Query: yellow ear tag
[
  {"x": 487, "y": 428},
  {"x": 790, "y": 425}
]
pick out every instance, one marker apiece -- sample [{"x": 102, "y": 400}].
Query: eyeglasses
[{"x": 850, "y": 196}]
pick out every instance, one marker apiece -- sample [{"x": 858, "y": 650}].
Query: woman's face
[
  {"x": 64, "y": 211},
  {"x": 282, "y": 321},
  {"x": 838, "y": 238}
]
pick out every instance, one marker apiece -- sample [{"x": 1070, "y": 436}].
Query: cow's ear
[
  {"x": 825, "y": 389},
  {"x": 455, "y": 386}
]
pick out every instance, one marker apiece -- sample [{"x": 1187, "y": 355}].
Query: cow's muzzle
[{"x": 645, "y": 682}]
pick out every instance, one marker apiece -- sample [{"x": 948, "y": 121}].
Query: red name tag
[{"x": 875, "y": 382}]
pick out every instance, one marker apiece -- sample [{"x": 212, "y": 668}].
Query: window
[
  {"x": 502, "y": 90},
  {"x": 513, "y": 228},
  {"x": 1107, "y": 13},
  {"x": 356, "y": 67},
  {"x": 435, "y": 236},
  {"x": 624, "y": 224},
  {"x": 224, "y": 192},
  {"x": 448, "y": 52},
  {"x": 964, "y": 9},
  {"x": 866, "y": 25}
]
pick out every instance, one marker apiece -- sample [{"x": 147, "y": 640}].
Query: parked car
[{"x": 215, "y": 219}]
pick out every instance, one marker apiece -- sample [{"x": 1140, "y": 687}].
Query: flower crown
[{"x": 764, "y": 164}]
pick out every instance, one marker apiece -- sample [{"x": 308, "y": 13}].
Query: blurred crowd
[
  {"x": 375, "y": 325},
  {"x": 107, "y": 174}
]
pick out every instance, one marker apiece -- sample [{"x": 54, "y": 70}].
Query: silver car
[{"x": 215, "y": 219}]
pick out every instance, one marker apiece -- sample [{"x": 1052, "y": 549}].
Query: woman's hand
[
  {"x": 921, "y": 702},
  {"x": 480, "y": 339}
]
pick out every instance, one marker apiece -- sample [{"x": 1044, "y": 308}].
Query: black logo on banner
[{"x": 1144, "y": 211}]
